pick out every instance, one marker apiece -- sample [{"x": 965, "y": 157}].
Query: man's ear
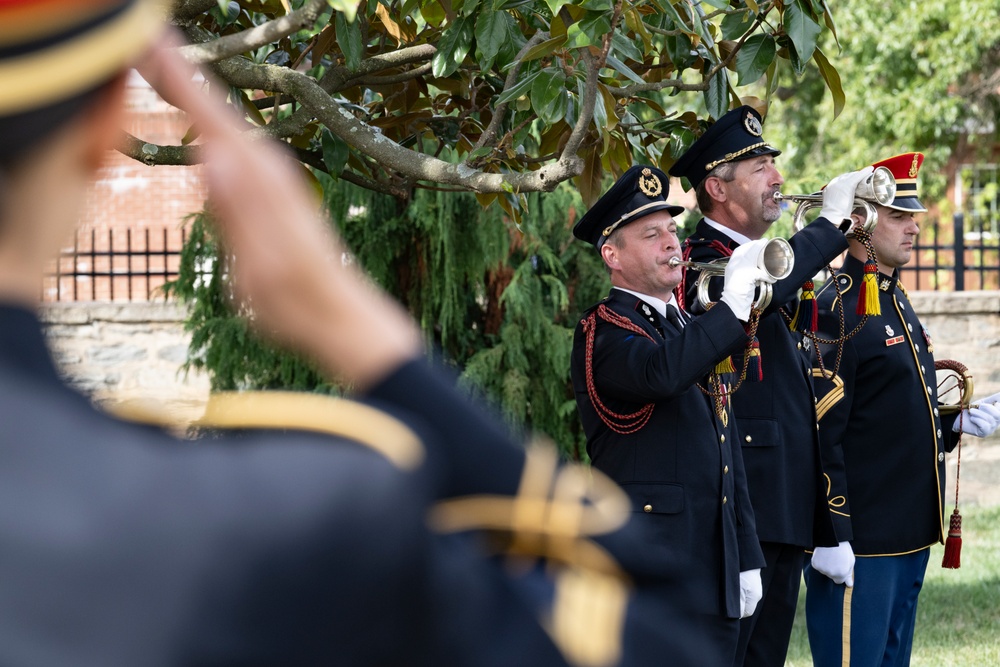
[
  {"x": 610, "y": 255},
  {"x": 103, "y": 121},
  {"x": 715, "y": 189}
]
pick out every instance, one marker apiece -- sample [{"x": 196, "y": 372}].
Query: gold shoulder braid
[
  {"x": 552, "y": 516},
  {"x": 289, "y": 410}
]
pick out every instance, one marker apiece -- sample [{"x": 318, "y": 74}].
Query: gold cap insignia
[
  {"x": 753, "y": 125},
  {"x": 649, "y": 183},
  {"x": 914, "y": 166}
]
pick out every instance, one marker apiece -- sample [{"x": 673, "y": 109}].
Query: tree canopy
[{"x": 498, "y": 97}]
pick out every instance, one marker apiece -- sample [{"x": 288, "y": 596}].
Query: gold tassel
[
  {"x": 868, "y": 301},
  {"x": 725, "y": 366}
]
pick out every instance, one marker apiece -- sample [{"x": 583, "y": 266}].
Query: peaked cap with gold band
[
  {"x": 641, "y": 190},
  {"x": 53, "y": 51},
  {"x": 736, "y": 136},
  {"x": 904, "y": 168}
]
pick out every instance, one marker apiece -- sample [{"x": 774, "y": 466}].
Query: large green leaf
[
  {"x": 349, "y": 8},
  {"x": 493, "y": 29},
  {"x": 549, "y": 95},
  {"x": 754, "y": 58},
  {"x": 588, "y": 31},
  {"x": 802, "y": 29},
  {"x": 832, "y": 78},
  {"x": 335, "y": 153},
  {"x": 625, "y": 48},
  {"x": 518, "y": 89},
  {"x": 349, "y": 39},
  {"x": 717, "y": 95},
  {"x": 543, "y": 49},
  {"x": 623, "y": 69},
  {"x": 736, "y": 24},
  {"x": 452, "y": 48}
]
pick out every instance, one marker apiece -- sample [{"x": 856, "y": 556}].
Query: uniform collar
[
  {"x": 659, "y": 304},
  {"x": 856, "y": 267},
  {"x": 721, "y": 228}
]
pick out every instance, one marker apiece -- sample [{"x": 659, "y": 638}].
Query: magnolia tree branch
[
  {"x": 490, "y": 133},
  {"x": 317, "y": 103},
  {"x": 587, "y": 104},
  {"x": 254, "y": 38}
]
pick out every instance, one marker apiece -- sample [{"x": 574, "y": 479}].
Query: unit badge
[
  {"x": 753, "y": 125},
  {"x": 889, "y": 331},
  {"x": 927, "y": 339},
  {"x": 649, "y": 183}
]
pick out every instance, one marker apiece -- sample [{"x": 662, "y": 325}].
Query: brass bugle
[
  {"x": 879, "y": 187},
  {"x": 775, "y": 258}
]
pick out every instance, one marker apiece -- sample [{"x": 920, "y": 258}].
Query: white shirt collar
[
  {"x": 734, "y": 235},
  {"x": 659, "y": 304}
]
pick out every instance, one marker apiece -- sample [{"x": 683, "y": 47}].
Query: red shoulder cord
[{"x": 619, "y": 423}]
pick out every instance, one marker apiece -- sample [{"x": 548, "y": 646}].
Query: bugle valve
[
  {"x": 775, "y": 258},
  {"x": 878, "y": 188}
]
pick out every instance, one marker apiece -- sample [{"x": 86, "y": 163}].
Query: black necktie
[{"x": 674, "y": 317}]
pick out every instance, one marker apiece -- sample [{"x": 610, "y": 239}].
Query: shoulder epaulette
[{"x": 294, "y": 411}]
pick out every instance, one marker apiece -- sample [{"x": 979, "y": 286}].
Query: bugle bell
[
  {"x": 955, "y": 386},
  {"x": 879, "y": 187},
  {"x": 775, "y": 258}
]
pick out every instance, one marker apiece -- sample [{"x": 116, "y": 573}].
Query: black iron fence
[
  {"x": 133, "y": 265},
  {"x": 115, "y": 265},
  {"x": 953, "y": 259}
]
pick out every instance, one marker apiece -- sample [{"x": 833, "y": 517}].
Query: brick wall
[{"x": 132, "y": 206}]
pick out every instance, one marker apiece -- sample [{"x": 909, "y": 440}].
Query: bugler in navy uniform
[
  {"x": 401, "y": 529},
  {"x": 731, "y": 167},
  {"x": 635, "y": 366},
  {"x": 884, "y": 440}
]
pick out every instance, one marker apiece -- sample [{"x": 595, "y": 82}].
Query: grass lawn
[{"x": 958, "y": 616}]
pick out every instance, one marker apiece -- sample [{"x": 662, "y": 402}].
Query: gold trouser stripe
[
  {"x": 314, "y": 412},
  {"x": 845, "y": 641}
]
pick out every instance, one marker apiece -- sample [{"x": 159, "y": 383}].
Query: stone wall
[
  {"x": 129, "y": 351},
  {"x": 965, "y": 326}
]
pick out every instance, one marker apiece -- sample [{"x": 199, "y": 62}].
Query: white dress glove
[
  {"x": 751, "y": 590},
  {"x": 979, "y": 421},
  {"x": 742, "y": 276},
  {"x": 835, "y": 562},
  {"x": 838, "y": 195},
  {"x": 992, "y": 400}
]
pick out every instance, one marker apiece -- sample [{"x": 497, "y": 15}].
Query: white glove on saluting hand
[
  {"x": 979, "y": 421},
  {"x": 751, "y": 590},
  {"x": 838, "y": 195},
  {"x": 835, "y": 562},
  {"x": 742, "y": 276}
]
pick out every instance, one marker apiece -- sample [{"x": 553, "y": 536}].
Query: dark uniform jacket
[
  {"x": 776, "y": 417},
  {"x": 884, "y": 440},
  {"x": 121, "y": 545},
  {"x": 685, "y": 479}
]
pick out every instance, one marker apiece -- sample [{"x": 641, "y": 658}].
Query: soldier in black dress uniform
[
  {"x": 884, "y": 442},
  {"x": 401, "y": 529},
  {"x": 640, "y": 371},
  {"x": 733, "y": 172}
]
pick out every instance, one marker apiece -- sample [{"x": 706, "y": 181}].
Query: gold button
[
  {"x": 722, "y": 438},
  {"x": 647, "y": 509},
  {"x": 748, "y": 439},
  {"x": 799, "y": 345},
  {"x": 724, "y": 500},
  {"x": 725, "y": 471}
]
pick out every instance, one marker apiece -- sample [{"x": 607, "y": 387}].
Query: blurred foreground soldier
[
  {"x": 733, "y": 173},
  {"x": 884, "y": 442},
  {"x": 305, "y": 539},
  {"x": 637, "y": 361}
]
